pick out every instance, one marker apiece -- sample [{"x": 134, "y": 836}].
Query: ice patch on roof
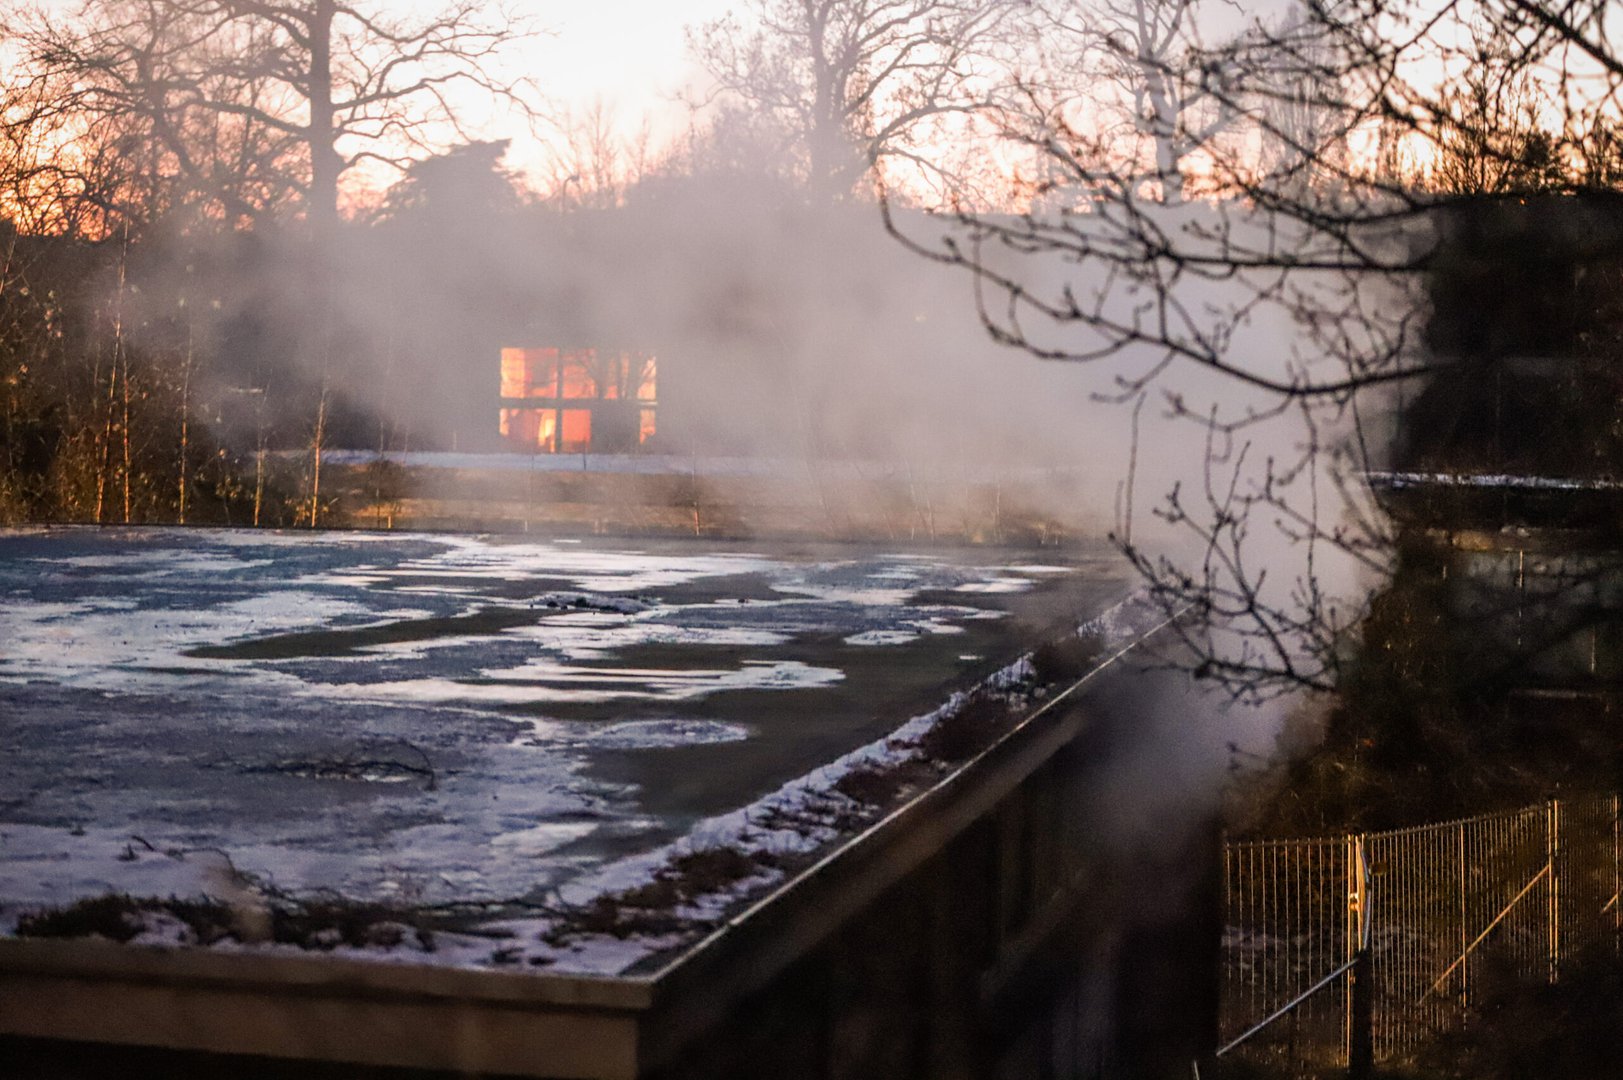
[
  {"x": 661, "y": 734},
  {"x": 995, "y": 585},
  {"x": 883, "y": 637},
  {"x": 541, "y": 681},
  {"x": 593, "y": 571},
  {"x": 157, "y": 565},
  {"x": 586, "y": 641},
  {"x": 871, "y": 596},
  {"x": 539, "y": 839}
]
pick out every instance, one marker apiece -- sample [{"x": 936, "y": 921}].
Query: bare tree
[
  {"x": 122, "y": 127},
  {"x": 52, "y": 178},
  {"x": 1488, "y": 138},
  {"x": 593, "y": 163},
  {"x": 250, "y": 103},
  {"x": 1133, "y": 79},
  {"x": 1303, "y": 130},
  {"x": 1292, "y": 291},
  {"x": 855, "y": 84}
]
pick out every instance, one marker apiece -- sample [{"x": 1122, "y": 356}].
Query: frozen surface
[
  {"x": 1397, "y": 481},
  {"x": 427, "y": 719}
]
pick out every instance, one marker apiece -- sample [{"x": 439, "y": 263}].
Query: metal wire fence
[{"x": 1429, "y": 915}]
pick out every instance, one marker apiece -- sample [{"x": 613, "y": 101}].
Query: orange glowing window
[
  {"x": 579, "y": 374},
  {"x": 529, "y": 373},
  {"x": 530, "y": 428},
  {"x": 627, "y": 375},
  {"x": 575, "y": 431},
  {"x": 513, "y": 378},
  {"x": 589, "y": 379}
]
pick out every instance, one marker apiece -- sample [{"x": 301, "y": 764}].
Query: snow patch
[{"x": 661, "y": 734}]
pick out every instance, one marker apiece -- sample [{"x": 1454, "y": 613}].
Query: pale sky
[
  {"x": 630, "y": 54},
  {"x": 627, "y": 51}
]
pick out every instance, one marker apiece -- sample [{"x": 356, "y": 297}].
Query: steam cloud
[{"x": 783, "y": 332}]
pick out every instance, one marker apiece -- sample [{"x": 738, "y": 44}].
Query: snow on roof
[{"x": 514, "y": 730}]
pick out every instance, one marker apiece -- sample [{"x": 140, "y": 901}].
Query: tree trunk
[
  {"x": 325, "y": 163},
  {"x": 124, "y": 431},
  {"x": 1164, "y": 131},
  {"x": 259, "y": 475},
  {"x": 185, "y": 422},
  {"x": 827, "y": 125},
  {"x": 316, "y": 444},
  {"x": 104, "y": 451},
  {"x": 121, "y": 364},
  {"x": 325, "y": 166}
]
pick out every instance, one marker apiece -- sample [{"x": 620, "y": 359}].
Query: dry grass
[
  {"x": 114, "y": 917},
  {"x": 650, "y": 909},
  {"x": 318, "y": 925},
  {"x": 882, "y": 786},
  {"x": 960, "y": 735},
  {"x": 1066, "y": 659}
]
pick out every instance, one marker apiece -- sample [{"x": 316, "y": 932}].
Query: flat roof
[{"x": 504, "y": 726}]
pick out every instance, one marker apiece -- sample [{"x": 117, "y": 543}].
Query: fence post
[
  {"x": 1465, "y": 932},
  {"x": 1361, "y": 989},
  {"x": 1350, "y": 935},
  {"x": 1553, "y": 837}
]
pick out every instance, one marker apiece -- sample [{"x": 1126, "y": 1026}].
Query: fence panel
[
  {"x": 1286, "y": 929},
  {"x": 1589, "y": 864},
  {"x": 1455, "y": 907}
]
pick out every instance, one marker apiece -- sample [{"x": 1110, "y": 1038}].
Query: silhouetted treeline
[
  {"x": 191, "y": 373},
  {"x": 135, "y": 390},
  {"x": 95, "y": 423}
]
